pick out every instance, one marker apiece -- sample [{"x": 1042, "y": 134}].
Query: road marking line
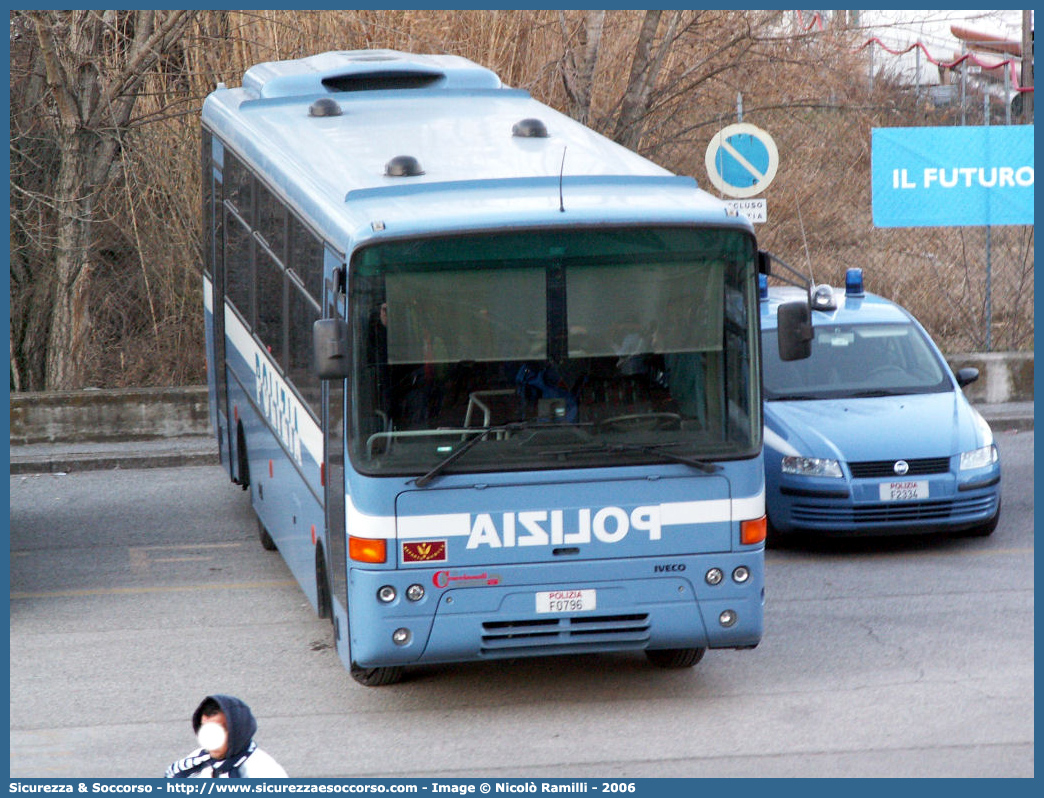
[{"x": 140, "y": 558}]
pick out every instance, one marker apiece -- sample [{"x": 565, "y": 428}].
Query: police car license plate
[
  {"x": 566, "y": 601},
  {"x": 903, "y": 491}
]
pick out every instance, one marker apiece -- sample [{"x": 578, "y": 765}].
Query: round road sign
[{"x": 742, "y": 160}]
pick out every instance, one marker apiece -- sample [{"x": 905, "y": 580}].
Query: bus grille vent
[{"x": 562, "y": 635}]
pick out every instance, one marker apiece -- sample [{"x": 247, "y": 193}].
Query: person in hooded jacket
[{"x": 225, "y": 728}]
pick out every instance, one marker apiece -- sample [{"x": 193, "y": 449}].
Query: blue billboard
[{"x": 952, "y": 176}]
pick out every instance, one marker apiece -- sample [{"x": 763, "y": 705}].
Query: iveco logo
[{"x": 901, "y": 467}]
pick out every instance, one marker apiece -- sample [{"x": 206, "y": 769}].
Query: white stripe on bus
[
  {"x": 446, "y": 525},
  {"x": 308, "y": 431}
]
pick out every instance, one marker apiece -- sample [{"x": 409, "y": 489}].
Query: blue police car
[{"x": 871, "y": 434}]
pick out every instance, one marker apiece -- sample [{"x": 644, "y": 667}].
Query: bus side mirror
[
  {"x": 764, "y": 262},
  {"x": 794, "y": 330},
  {"x": 330, "y": 348}
]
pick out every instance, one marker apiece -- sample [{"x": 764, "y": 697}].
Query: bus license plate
[
  {"x": 903, "y": 491},
  {"x": 566, "y": 601}
]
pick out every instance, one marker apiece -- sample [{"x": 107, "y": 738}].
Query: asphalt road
[{"x": 134, "y": 593}]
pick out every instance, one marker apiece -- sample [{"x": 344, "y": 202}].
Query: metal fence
[{"x": 971, "y": 287}]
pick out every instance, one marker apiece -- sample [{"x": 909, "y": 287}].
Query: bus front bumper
[{"x": 491, "y": 616}]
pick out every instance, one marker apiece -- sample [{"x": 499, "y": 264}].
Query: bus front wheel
[
  {"x": 266, "y": 539},
  {"x": 675, "y": 657},
  {"x": 376, "y": 677},
  {"x": 243, "y": 464},
  {"x": 322, "y": 586}
]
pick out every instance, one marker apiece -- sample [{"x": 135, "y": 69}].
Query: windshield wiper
[
  {"x": 661, "y": 449},
  {"x": 480, "y": 435},
  {"x": 657, "y": 449},
  {"x": 881, "y": 392},
  {"x": 795, "y": 397}
]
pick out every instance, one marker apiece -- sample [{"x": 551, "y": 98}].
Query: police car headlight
[
  {"x": 979, "y": 458},
  {"x": 811, "y": 467}
]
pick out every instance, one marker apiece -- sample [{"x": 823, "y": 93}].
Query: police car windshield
[
  {"x": 854, "y": 360},
  {"x": 549, "y": 341}
]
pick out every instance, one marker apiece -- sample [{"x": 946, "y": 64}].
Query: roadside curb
[
  {"x": 73, "y": 461},
  {"x": 62, "y": 458}
]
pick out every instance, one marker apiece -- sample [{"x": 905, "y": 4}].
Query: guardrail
[{"x": 160, "y": 413}]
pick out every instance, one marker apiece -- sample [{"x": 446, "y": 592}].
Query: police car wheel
[
  {"x": 773, "y": 537},
  {"x": 987, "y": 529},
  {"x": 675, "y": 657},
  {"x": 376, "y": 677}
]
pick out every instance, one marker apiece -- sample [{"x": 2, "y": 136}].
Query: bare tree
[
  {"x": 579, "y": 63},
  {"x": 94, "y": 64},
  {"x": 645, "y": 70},
  {"x": 104, "y": 155}
]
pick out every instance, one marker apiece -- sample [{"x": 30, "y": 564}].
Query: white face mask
[{"x": 212, "y": 736}]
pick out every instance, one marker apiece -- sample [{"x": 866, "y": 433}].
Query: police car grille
[
  {"x": 562, "y": 634},
  {"x": 892, "y": 512},
  {"x": 886, "y": 468}
]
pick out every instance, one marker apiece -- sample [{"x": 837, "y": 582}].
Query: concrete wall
[
  {"x": 1003, "y": 376},
  {"x": 95, "y": 415},
  {"x": 150, "y": 413}
]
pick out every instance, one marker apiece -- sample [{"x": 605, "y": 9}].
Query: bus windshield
[{"x": 553, "y": 349}]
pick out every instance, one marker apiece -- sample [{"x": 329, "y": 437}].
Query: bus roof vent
[
  {"x": 324, "y": 107},
  {"x": 529, "y": 129},
  {"x": 383, "y": 80},
  {"x": 403, "y": 166},
  {"x": 365, "y": 70}
]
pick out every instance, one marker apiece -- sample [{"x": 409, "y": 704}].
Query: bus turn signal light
[
  {"x": 367, "y": 549},
  {"x": 753, "y": 531}
]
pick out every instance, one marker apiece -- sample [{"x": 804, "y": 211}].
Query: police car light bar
[{"x": 854, "y": 283}]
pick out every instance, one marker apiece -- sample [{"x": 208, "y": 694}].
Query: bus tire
[
  {"x": 243, "y": 469},
  {"x": 376, "y": 677},
  {"x": 324, "y": 602},
  {"x": 266, "y": 540},
  {"x": 675, "y": 657}
]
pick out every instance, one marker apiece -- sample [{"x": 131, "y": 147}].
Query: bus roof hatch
[{"x": 365, "y": 70}]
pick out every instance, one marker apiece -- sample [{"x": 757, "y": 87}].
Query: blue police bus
[{"x": 491, "y": 380}]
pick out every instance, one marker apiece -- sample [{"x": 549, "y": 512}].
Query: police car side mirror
[
  {"x": 330, "y": 348},
  {"x": 794, "y": 330},
  {"x": 967, "y": 376}
]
